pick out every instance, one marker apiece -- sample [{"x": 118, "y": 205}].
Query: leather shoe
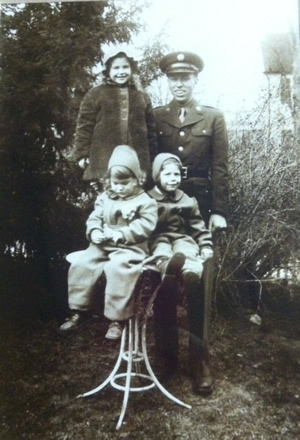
[
  {"x": 201, "y": 378},
  {"x": 76, "y": 319}
]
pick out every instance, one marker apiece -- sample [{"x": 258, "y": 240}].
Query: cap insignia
[{"x": 180, "y": 57}]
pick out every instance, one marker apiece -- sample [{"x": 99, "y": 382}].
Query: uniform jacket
[
  {"x": 178, "y": 216},
  {"x": 109, "y": 116},
  {"x": 135, "y": 217},
  {"x": 200, "y": 142}
]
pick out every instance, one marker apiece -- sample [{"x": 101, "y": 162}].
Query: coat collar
[
  {"x": 171, "y": 112},
  {"x": 156, "y": 194}
]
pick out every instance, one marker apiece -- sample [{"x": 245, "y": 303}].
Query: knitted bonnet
[
  {"x": 121, "y": 50},
  {"x": 125, "y": 156},
  {"x": 159, "y": 161}
]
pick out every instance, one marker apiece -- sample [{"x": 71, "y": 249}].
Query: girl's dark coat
[{"x": 109, "y": 116}]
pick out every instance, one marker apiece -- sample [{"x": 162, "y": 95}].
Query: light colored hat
[
  {"x": 159, "y": 161},
  {"x": 125, "y": 156},
  {"x": 121, "y": 49}
]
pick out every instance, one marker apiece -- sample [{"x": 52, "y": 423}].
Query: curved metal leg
[
  {"x": 128, "y": 376},
  {"x": 134, "y": 333},
  {"x": 154, "y": 378},
  {"x": 112, "y": 374}
]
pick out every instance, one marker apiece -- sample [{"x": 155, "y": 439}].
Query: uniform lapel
[
  {"x": 171, "y": 113},
  {"x": 194, "y": 114}
]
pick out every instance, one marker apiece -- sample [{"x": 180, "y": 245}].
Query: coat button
[
  {"x": 181, "y": 133},
  {"x": 180, "y": 148}
]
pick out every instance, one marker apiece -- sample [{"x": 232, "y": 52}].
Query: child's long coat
[
  {"x": 122, "y": 263},
  {"x": 111, "y": 115}
]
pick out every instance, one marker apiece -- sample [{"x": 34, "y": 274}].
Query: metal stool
[{"x": 133, "y": 350}]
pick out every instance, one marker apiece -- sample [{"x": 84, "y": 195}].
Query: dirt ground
[{"x": 256, "y": 370}]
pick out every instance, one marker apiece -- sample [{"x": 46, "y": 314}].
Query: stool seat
[{"x": 133, "y": 351}]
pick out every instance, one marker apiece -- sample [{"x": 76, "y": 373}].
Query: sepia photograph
[{"x": 150, "y": 220}]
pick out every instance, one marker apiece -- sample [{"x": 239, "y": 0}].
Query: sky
[{"x": 227, "y": 34}]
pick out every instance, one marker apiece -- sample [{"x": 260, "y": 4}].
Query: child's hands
[
  {"x": 97, "y": 236},
  {"x": 111, "y": 234},
  {"x": 117, "y": 236},
  {"x": 206, "y": 254}
]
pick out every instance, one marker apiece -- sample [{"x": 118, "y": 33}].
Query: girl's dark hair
[
  {"x": 135, "y": 79},
  {"x": 132, "y": 62}
]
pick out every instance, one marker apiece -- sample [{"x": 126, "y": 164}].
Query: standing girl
[
  {"x": 116, "y": 112},
  {"x": 118, "y": 230}
]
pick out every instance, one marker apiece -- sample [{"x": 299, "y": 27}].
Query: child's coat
[
  {"x": 122, "y": 262},
  {"x": 180, "y": 228},
  {"x": 111, "y": 115}
]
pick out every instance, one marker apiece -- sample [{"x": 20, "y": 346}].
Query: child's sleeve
[
  {"x": 151, "y": 129},
  {"x": 198, "y": 230},
  {"x": 95, "y": 220},
  {"x": 85, "y": 127},
  {"x": 141, "y": 227}
]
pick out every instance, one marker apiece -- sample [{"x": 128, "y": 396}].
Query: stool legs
[
  {"x": 112, "y": 374},
  {"x": 153, "y": 377},
  {"x": 133, "y": 333}
]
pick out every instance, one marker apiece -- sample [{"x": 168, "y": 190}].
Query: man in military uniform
[{"x": 197, "y": 134}]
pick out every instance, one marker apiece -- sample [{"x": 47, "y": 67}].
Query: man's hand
[
  {"x": 216, "y": 221},
  {"x": 206, "y": 254},
  {"x": 97, "y": 236},
  {"x": 83, "y": 163}
]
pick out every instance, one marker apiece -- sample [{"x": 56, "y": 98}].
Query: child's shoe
[
  {"x": 114, "y": 331},
  {"x": 175, "y": 265},
  {"x": 76, "y": 319}
]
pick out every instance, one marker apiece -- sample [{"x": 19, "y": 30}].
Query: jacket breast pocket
[
  {"x": 199, "y": 130},
  {"x": 201, "y": 141},
  {"x": 164, "y": 130}
]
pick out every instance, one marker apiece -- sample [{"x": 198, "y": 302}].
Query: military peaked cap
[{"x": 181, "y": 62}]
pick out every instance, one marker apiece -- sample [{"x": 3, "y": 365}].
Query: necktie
[{"x": 182, "y": 114}]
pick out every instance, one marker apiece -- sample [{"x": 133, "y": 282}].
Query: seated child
[
  {"x": 180, "y": 240},
  {"x": 118, "y": 230},
  {"x": 179, "y": 245}
]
